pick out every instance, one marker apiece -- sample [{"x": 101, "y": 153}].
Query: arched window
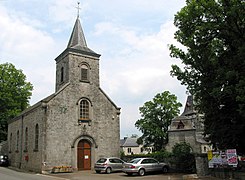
[
  {"x": 62, "y": 74},
  {"x": 84, "y": 73},
  {"x": 26, "y": 139},
  {"x": 84, "y": 110},
  {"x": 17, "y": 141},
  {"x": 36, "y": 137}
]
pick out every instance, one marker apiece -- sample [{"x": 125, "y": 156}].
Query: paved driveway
[{"x": 90, "y": 175}]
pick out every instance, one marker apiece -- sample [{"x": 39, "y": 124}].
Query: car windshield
[
  {"x": 102, "y": 160},
  {"x": 135, "y": 161}
]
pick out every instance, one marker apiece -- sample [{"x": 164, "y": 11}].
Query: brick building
[{"x": 75, "y": 125}]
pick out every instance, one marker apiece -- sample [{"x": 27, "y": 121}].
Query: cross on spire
[{"x": 78, "y": 8}]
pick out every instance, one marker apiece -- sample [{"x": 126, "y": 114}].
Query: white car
[{"x": 144, "y": 165}]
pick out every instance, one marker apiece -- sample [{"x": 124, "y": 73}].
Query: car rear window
[
  {"x": 102, "y": 160},
  {"x": 135, "y": 161}
]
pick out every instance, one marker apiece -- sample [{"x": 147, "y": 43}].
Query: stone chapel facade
[
  {"x": 76, "y": 125},
  {"x": 189, "y": 128}
]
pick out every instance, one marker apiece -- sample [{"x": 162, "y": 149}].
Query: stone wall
[
  {"x": 178, "y": 136},
  {"x": 201, "y": 164},
  {"x": 20, "y": 156},
  {"x": 4, "y": 148},
  {"x": 64, "y": 131}
]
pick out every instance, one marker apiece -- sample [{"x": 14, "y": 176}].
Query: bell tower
[{"x": 77, "y": 63}]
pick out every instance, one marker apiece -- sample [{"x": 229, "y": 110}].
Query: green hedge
[{"x": 180, "y": 160}]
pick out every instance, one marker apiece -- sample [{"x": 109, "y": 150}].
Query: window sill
[
  {"x": 84, "y": 121},
  {"x": 84, "y": 81}
]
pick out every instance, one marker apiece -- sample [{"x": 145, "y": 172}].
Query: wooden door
[{"x": 83, "y": 155}]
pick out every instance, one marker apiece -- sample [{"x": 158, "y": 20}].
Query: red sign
[{"x": 232, "y": 157}]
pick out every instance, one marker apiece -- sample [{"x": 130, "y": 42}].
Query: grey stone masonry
[{"x": 73, "y": 127}]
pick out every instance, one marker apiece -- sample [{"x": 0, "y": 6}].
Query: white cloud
[
  {"x": 138, "y": 71},
  {"x": 28, "y": 49},
  {"x": 132, "y": 38}
]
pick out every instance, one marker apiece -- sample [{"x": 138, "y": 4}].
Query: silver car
[
  {"x": 108, "y": 165},
  {"x": 144, "y": 165}
]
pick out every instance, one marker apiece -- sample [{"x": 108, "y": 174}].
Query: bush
[
  {"x": 161, "y": 156},
  {"x": 183, "y": 160}
]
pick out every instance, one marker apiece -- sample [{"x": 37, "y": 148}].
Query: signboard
[
  {"x": 216, "y": 159},
  {"x": 232, "y": 157},
  {"x": 210, "y": 155},
  {"x": 222, "y": 158}
]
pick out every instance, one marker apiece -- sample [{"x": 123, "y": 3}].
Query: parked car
[
  {"x": 4, "y": 160},
  {"x": 108, "y": 165},
  {"x": 144, "y": 165}
]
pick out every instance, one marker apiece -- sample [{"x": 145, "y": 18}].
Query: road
[
  {"x": 90, "y": 175},
  {"x": 10, "y": 174}
]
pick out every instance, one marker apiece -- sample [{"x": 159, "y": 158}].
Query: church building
[{"x": 74, "y": 126}]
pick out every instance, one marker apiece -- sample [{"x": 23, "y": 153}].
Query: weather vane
[{"x": 78, "y": 8}]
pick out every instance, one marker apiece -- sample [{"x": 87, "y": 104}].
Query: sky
[{"x": 131, "y": 36}]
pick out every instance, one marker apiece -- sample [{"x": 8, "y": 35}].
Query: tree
[
  {"x": 156, "y": 118},
  {"x": 213, "y": 33},
  {"x": 15, "y": 93}
]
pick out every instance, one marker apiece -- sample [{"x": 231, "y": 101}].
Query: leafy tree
[
  {"x": 213, "y": 35},
  {"x": 156, "y": 117},
  {"x": 15, "y": 93}
]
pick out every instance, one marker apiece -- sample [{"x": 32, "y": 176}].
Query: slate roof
[
  {"x": 129, "y": 142},
  {"x": 189, "y": 107},
  {"x": 77, "y": 42}
]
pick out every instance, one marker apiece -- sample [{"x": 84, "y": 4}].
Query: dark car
[
  {"x": 144, "y": 165},
  {"x": 108, "y": 165},
  {"x": 4, "y": 160}
]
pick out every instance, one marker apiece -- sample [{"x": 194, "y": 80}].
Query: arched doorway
[{"x": 83, "y": 155}]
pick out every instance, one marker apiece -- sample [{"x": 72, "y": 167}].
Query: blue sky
[{"x": 131, "y": 36}]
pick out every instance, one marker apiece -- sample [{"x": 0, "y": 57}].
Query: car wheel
[
  {"x": 165, "y": 169},
  {"x": 97, "y": 171},
  {"x": 141, "y": 172},
  {"x": 108, "y": 170}
]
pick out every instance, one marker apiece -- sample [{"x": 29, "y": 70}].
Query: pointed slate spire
[
  {"x": 77, "y": 40},
  {"x": 77, "y": 37},
  {"x": 189, "y": 107}
]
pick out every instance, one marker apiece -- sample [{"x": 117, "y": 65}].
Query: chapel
[
  {"x": 189, "y": 128},
  {"x": 74, "y": 126}
]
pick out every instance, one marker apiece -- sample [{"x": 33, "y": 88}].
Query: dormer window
[{"x": 84, "y": 73}]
